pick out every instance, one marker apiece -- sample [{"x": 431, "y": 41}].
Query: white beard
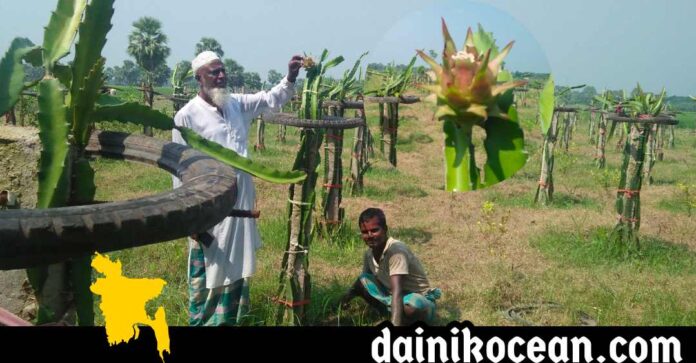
[{"x": 219, "y": 96}]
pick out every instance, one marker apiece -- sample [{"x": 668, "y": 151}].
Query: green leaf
[
  {"x": 108, "y": 100},
  {"x": 434, "y": 65},
  {"x": 132, "y": 113},
  {"x": 546, "y": 105},
  {"x": 450, "y": 48},
  {"x": 93, "y": 31},
  {"x": 506, "y": 99},
  {"x": 82, "y": 103},
  {"x": 332, "y": 63},
  {"x": 80, "y": 272},
  {"x": 461, "y": 172},
  {"x": 612, "y": 129},
  {"x": 233, "y": 159},
  {"x": 12, "y": 73},
  {"x": 61, "y": 31},
  {"x": 182, "y": 71},
  {"x": 504, "y": 146},
  {"x": 83, "y": 176},
  {"x": 484, "y": 40},
  {"x": 54, "y": 175}
]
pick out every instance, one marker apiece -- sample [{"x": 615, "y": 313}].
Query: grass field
[{"x": 488, "y": 250}]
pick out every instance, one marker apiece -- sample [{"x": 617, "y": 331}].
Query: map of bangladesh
[{"x": 123, "y": 304}]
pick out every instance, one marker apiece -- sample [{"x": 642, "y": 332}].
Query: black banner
[{"x": 453, "y": 343}]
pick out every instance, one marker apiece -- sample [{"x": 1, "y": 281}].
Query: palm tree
[
  {"x": 209, "y": 44},
  {"x": 148, "y": 45}
]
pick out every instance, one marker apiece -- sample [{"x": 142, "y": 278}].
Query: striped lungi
[
  {"x": 414, "y": 299},
  {"x": 225, "y": 305}
]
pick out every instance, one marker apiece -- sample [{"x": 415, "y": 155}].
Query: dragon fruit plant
[{"x": 472, "y": 89}]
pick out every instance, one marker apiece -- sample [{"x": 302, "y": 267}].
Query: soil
[{"x": 19, "y": 151}]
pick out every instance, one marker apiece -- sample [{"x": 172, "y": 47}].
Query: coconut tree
[
  {"x": 473, "y": 90},
  {"x": 148, "y": 45},
  {"x": 70, "y": 102},
  {"x": 210, "y": 44}
]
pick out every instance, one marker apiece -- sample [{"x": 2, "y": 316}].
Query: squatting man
[{"x": 393, "y": 279}]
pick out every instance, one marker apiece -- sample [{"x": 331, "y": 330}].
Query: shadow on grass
[
  {"x": 560, "y": 201},
  {"x": 386, "y": 193},
  {"x": 595, "y": 248},
  {"x": 411, "y": 235},
  {"x": 386, "y": 184},
  {"x": 446, "y": 313},
  {"x": 410, "y": 143},
  {"x": 677, "y": 205},
  {"x": 657, "y": 180}
]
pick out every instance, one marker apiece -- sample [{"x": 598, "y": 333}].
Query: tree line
[{"x": 147, "y": 45}]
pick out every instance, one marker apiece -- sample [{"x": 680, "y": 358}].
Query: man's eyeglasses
[{"x": 216, "y": 72}]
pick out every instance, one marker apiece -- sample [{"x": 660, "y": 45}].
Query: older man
[{"x": 219, "y": 271}]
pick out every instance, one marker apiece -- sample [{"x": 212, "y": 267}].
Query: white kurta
[{"x": 232, "y": 255}]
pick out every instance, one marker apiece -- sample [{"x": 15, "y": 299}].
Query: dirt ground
[{"x": 19, "y": 152}]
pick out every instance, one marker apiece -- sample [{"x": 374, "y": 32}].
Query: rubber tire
[
  {"x": 328, "y": 122},
  {"x": 41, "y": 236}
]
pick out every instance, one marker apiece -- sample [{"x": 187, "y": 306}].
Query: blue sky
[{"x": 608, "y": 44}]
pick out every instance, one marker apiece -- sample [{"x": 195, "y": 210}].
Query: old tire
[
  {"x": 41, "y": 236},
  {"x": 328, "y": 122}
]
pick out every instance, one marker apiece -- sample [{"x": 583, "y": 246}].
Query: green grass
[
  {"x": 687, "y": 120},
  {"x": 594, "y": 249},
  {"x": 385, "y": 183},
  {"x": 412, "y": 142},
  {"x": 118, "y": 179},
  {"x": 344, "y": 249},
  {"x": 167, "y": 261},
  {"x": 613, "y": 284},
  {"x": 579, "y": 269},
  {"x": 677, "y": 205},
  {"x": 561, "y": 200}
]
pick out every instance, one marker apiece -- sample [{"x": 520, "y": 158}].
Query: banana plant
[
  {"x": 549, "y": 129},
  {"x": 333, "y": 163},
  {"x": 294, "y": 282},
  {"x": 70, "y": 103},
  {"x": 393, "y": 84},
  {"x": 474, "y": 91},
  {"x": 182, "y": 73}
]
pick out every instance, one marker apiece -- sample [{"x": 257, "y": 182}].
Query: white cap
[{"x": 202, "y": 59}]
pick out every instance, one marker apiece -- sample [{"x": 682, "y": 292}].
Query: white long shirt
[{"x": 232, "y": 255}]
